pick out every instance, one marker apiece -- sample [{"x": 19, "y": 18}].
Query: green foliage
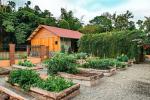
[
  {"x": 27, "y": 78},
  {"x": 24, "y": 78},
  {"x": 63, "y": 24},
  {"x": 99, "y": 63},
  {"x": 90, "y": 29},
  {"x": 81, "y": 55},
  {"x": 103, "y": 64},
  {"x": 54, "y": 84},
  {"x": 111, "y": 44},
  {"x": 26, "y": 63},
  {"x": 62, "y": 63},
  {"x": 102, "y": 21},
  {"x": 123, "y": 58}
]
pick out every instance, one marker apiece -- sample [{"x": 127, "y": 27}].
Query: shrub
[
  {"x": 99, "y": 64},
  {"x": 122, "y": 58},
  {"x": 26, "y": 63},
  {"x": 111, "y": 44},
  {"x": 103, "y": 64},
  {"x": 81, "y": 55},
  {"x": 62, "y": 63},
  {"x": 54, "y": 84},
  {"x": 24, "y": 78}
]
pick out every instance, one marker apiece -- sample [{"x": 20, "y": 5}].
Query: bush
[
  {"x": 123, "y": 58},
  {"x": 103, "y": 64},
  {"x": 24, "y": 78},
  {"x": 99, "y": 64},
  {"x": 62, "y": 63},
  {"x": 111, "y": 44},
  {"x": 26, "y": 63},
  {"x": 81, "y": 55},
  {"x": 54, "y": 84}
]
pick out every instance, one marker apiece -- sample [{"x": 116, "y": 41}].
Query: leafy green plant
[
  {"x": 24, "y": 78},
  {"x": 111, "y": 44},
  {"x": 81, "y": 55},
  {"x": 123, "y": 58},
  {"x": 54, "y": 84},
  {"x": 26, "y": 63},
  {"x": 29, "y": 78},
  {"x": 62, "y": 63},
  {"x": 99, "y": 64},
  {"x": 103, "y": 64}
]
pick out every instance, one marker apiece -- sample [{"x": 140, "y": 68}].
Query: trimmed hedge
[{"x": 111, "y": 44}]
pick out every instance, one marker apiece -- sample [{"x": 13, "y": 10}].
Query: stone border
[
  {"x": 63, "y": 95},
  {"x": 4, "y": 71},
  {"x": 107, "y": 73},
  {"x": 41, "y": 94},
  {"x": 86, "y": 81},
  {"x": 23, "y": 67}
]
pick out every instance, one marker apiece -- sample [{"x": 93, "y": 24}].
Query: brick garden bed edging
[
  {"x": 24, "y": 67},
  {"x": 83, "y": 80},
  {"x": 107, "y": 73}
]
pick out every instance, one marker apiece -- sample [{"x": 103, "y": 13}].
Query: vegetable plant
[
  {"x": 26, "y": 63},
  {"x": 62, "y": 63},
  {"x": 29, "y": 78},
  {"x": 123, "y": 58},
  {"x": 24, "y": 78},
  {"x": 54, "y": 84}
]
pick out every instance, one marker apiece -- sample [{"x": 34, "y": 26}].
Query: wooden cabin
[{"x": 54, "y": 38}]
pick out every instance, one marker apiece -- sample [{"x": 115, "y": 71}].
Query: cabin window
[{"x": 56, "y": 42}]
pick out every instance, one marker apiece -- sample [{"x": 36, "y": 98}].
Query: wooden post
[
  {"x": 12, "y": 53},
  {"x": 28, "y": 50},
  {"x": 42, "y": 52},
  {"x": 47, "y": 51}
]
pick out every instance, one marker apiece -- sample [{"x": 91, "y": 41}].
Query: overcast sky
[{"x": 92, "y": 8}]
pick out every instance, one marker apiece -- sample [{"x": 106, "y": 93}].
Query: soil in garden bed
[{"x": 85, "y": 74}]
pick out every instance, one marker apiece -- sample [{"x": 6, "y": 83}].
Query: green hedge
[{"x": 111, "y": 44}]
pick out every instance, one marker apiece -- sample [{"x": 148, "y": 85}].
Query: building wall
[
  {"x": 44, "y": 37},
  {"x": 66, "y": 41}
]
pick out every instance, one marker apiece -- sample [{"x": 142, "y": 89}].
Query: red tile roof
[{"x": 59, "y": 31}]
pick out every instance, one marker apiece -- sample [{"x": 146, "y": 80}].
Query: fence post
[
  {"x": 28, "y": 50},
  {"x": 12, "y": 53},
  {"x": 47, "y": 51},
  {"x": 42, "y": 52}
]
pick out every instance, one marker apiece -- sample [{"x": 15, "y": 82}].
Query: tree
[
  {"x": 74, "y": 22},
  {"x": 102, "y": 21},
  {"x": 140, "y": 24},
  {"x": 63, "y": 24},
  {"x": 121, "y": 22},
  {"x": 12, "y": 4},
  {"x": 91, "y": 29},
  {"x": 28, "y": 3},
  {"x": 147, "y": 24}
]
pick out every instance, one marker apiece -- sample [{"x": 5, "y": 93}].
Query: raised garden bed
[
  {"x": 25, "y": 67},
  {"x": 4, "y": 71},
  {"x": 84, "y": 77},
  {"x": 52, "y": 88},
  {"x": 41, "y": 94},
  {"x": 107, "y": 73}
]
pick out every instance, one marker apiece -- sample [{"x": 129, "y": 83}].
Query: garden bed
[
  {"x": 107, "y": 73},
  {"x": 84, "y": 78},
  {"x": 41, "y": 94},
  {"x": 4, "y": 71},
  {"x": 24, "y": 67},
  {"x": 52, "y": 88}
]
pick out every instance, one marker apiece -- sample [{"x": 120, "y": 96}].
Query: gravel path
[{"x": 131, "y": 84}]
